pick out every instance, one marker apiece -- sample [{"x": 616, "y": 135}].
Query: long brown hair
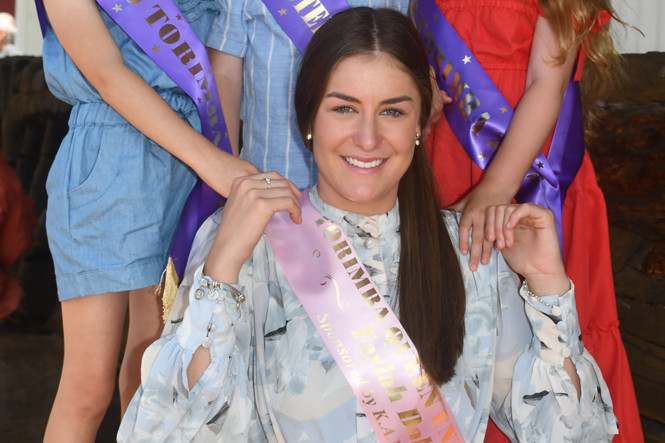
[{"x": 431, "y": 290}]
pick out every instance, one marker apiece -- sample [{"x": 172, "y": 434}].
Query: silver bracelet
[
  {"x": 214, "y": 290},
  {"x": 556, "y": 310}
]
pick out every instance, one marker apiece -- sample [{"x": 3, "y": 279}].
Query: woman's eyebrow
[{"x": 389, "y": 101}]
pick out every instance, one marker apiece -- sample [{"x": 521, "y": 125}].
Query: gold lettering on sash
[
  {"x": 315, "y": 18},
  {"x": 393, "y": 336},
  {"x": 438, "y": 58},
  {"x": 303, "y": 4},
  {"x": 410, "y": 417},
  {"x": 480, "y": 122},
  {"x": 343, "y": 249},
  {"x": 415, "y": 434},
  {"x": 442, "y": 423},
  {"x": 157, "y": 15},
  {"x": 381, "y": 314},
  {"x": 368, "y": 399},
  {"x": 366, "y": 332},
  {"x": 315, "y": 15},
  {"x": 447, "y": 70},
  {"x": 357, "y": 274},
  {"x": 170, "y": 34},
  {"x": 383, "y": 369},
  {"x": 332, "y": 233},
  {"x": 469, "y": 100},
  {"x": 347, "y": 264},
  {"x": 371, "y": 296},
  {"x": 394, "y": 393},
  {"x": 379, "y": 415},
  {"x": 378, "y": 353},
  {"x": 386, "y": 381},
  {"x": 367, "y": 348},
  {"x": 185, "y": 53},
  {"x": 454, "y": 86}
]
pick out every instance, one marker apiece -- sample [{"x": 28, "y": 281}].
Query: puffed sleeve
[
  {"x": 229, "y": 30},
  {"x": 165, "y": 408},
  {"x": 534, "y": 397}
]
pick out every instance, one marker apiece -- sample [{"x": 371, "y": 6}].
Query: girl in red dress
[{"x": 529, "y": 49}]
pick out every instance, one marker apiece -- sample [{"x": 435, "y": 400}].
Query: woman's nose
[{"x": 367, "y": 134}]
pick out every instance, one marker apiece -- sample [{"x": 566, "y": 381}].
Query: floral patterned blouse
[{"x": 272, "y": 379}]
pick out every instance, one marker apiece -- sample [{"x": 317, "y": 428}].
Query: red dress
[{"x": 500, "y": 33}]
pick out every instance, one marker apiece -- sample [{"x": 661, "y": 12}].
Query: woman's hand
[
  {"x": 526, "y": 236},
  {"x": 473, "y": 208},
  {"x": 253, "y": 201}
]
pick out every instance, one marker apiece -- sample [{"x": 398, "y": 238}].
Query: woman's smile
[{"x": 371, "y": 164}]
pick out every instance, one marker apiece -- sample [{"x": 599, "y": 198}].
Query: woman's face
[{"x": 364, "y": 133}]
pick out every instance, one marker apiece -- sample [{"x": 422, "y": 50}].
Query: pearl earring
[
  {"x": 417, "y": 139},
  {"x": 309, "y": 136}
]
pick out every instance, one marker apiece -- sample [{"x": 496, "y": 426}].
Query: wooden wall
[{"x": 629, "y": 157}]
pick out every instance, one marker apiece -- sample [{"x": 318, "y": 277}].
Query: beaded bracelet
[{"x": 556, "y": 310}]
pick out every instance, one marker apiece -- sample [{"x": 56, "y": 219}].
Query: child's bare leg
[
  {"x": 92, "y": 329},
  {"x": 145, "y": 326}
]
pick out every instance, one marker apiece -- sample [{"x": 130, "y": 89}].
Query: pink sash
[{"x": 360, "y": 329}]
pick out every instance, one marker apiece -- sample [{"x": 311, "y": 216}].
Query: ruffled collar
[{"x": 376, "y": 225}]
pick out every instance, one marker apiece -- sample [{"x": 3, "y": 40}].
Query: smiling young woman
[{"x": 345, "y": 313}]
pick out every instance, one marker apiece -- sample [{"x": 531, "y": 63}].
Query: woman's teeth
[{"x": 364, "y": 165}]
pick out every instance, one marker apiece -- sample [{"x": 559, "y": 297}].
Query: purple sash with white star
[
  {"x": 479, "y": 114},
  {"x": 164, "y": 34}
]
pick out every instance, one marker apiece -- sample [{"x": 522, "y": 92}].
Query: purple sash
[
  {"x": 164, "y": 34},
  {"x": 360, "y": 330},
  {"x": 479, "y": 114},
  {"x": 299, "y": 19}
]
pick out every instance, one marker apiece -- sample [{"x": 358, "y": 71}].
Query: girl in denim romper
[{"x": 116, "y": 190}]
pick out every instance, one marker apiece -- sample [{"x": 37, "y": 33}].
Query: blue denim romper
[{"x": 114, "y": 196}]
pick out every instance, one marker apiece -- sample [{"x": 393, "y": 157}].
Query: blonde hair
[{"x": 575, "y": 22}]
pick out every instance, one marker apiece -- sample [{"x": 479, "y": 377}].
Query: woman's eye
[
  {"x": 343, "y": 109},
  {"x": 392, "y": 112}
]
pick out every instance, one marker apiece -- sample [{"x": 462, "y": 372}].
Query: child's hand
[
  {"x": 473, "y": 208},
  {"x": 220, "y": 170}
]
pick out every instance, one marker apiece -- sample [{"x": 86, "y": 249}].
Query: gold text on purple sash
[
  {"x": 312, "y": 12},
  {"x": 463, "y": 97},
  {"x": 169, "y": 34}
]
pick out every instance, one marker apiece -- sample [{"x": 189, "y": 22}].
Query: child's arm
[
  {"x": 532, "y": 123},
  {"x": 84, "y": 36},
  {"x": 228, "y": 76}
]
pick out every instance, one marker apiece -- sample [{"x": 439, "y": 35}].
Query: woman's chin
[{"x": 360, "y": 201}]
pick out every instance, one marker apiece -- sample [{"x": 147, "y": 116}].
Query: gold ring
[{"x": 267, "y": 179}]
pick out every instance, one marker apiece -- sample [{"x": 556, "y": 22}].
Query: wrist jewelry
[
  {"x": 556, "y": 310},
  {"x": 214, "y": 290}
]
